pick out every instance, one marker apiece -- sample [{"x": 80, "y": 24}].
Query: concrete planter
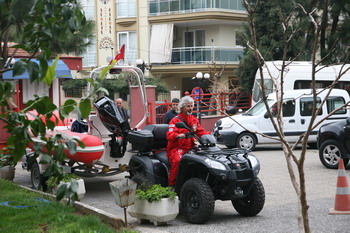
[
  {"x": 81, "y": 189},
  {"x": 159, "y": 212},
  {"x": 7, "y": 172}
]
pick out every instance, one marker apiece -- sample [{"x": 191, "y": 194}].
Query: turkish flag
[{"x": 120, "y": 55}]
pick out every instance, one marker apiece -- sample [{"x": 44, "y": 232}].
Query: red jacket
[{"x": 186, "y": 143}]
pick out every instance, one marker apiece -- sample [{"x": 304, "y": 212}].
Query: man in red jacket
[{"x": 178, "y": 143}]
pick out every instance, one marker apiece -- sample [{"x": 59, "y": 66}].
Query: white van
[
  {"x": 296, "y": 117},
  {"x": 297, "y": 75}
]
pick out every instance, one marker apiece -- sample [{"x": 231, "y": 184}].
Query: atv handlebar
[{"x": 182, "y": 125}]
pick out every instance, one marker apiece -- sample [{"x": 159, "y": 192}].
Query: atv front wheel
[
  {"x": 252, "y": 204},
  {"x": 197, "y": 201}
]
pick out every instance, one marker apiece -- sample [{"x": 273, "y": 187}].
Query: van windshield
[{"x": 259, "y": 107}]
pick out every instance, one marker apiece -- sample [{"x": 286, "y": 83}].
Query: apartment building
[{"x": 178, "y": 38}]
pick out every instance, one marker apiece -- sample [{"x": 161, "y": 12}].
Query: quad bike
[{"x": 205, "y": 174}]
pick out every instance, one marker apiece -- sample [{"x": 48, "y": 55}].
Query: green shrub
[{"x": 155, "y": 193}]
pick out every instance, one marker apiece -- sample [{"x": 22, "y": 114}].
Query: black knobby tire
[
  {"x": 246, "y": 141},
  {"x": 252, "y": 204},
  {"x": 37, "y": 179},
  {"x": 330, "y": 153},
  {"x": 197, "y": 201}
]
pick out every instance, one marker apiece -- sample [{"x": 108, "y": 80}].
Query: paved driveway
[{"x": 279, "y": 213}]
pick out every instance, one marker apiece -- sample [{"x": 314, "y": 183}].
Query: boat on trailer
[{"x": 107, "y": 132}]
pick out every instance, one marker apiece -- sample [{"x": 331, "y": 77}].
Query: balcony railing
[
  {"x": 130, "y": 56},
  {"x": 206, "y": 54},
  {"x": 164, "y": 7},
  {"x": 211, "y": 104}
]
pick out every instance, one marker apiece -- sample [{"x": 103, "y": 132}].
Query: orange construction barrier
[{"x": 342, "y": 196}]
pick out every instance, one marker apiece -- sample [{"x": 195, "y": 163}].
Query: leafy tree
[
  {"x": 334, "y": 31},
  {"x": 42, "y": 28},
  {"x": 71, "y": 84},
  {"x": 269, "y": 36},
  {"x": 58, "y": 26},
  {"x": 120, "y": 85},
  {"x": 161, "y": 86}
]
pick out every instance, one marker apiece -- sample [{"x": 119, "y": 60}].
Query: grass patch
[{"x": 25, "y": 211}]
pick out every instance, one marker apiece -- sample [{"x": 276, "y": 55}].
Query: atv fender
[
  {"x": 155, "y": 171},
  {"x": 194, "y": 166}
]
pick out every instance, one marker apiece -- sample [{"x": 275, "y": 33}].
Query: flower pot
[
  {"x": 81, "y": 189},
  {"x": 159, "y": 212},
  {"x": 7, "y": 172}
]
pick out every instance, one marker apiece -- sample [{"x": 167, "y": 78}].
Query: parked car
[
  {"x": 334, "y": 143},
  {"x": 296, "y": 117}
]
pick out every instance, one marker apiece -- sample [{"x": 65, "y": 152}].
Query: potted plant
[
  {"x": 71, "y": 183},
  {"x": 156, "y": 203},
  {"x": 7, "y": 166}
]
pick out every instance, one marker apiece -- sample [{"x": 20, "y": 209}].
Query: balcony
[
  {"x": 206, "y": 54},
  {"x": 166, "y": 7}
]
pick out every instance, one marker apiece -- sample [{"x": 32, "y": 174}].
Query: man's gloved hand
[{"x": 189, "y": 134}]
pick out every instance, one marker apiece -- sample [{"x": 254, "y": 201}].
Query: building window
[
  {"x": 74, "y": 93},
  {"x": 195, "y": 38},
  {"x": 129, "y": 39},
  {"x": 89, "y": 56},
  {"x": 89, "y": 8},
  {"x": 126, "y": 8},
  {"x": 74, "y": 87}
]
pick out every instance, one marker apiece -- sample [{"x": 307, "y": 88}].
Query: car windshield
[{"x": 259, "y": 107}]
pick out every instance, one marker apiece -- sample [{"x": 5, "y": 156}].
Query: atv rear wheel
[
  {"x": 252, "y": 204},
  {"x": 197, "y": 201}
]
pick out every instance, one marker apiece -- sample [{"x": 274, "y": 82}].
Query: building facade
[{"x": 178, "y": 38}]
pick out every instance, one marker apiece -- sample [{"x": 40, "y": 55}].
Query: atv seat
[
  {"x": 159, "y": 134},
  {"x": 163, "y": 158}
]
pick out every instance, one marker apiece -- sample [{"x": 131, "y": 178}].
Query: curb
[{"x": 86, "y": 209}]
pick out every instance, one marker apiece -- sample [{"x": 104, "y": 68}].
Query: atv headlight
[
  {"x": 215, "y": 164},
  {"x": 255, "y": 163}
]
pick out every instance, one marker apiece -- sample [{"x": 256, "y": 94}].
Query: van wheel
[
  {"x": 330, "y": 153},
  {"x": 246, "y": 141},
  {"x": 197, "y": 201}
]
